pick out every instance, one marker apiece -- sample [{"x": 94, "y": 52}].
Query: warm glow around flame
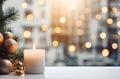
[{"x": 34, "y": 47}]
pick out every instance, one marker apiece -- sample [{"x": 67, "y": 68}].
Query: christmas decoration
[
  {"x": 1, "y": 38},
  {"x": 7, "y": 35},
  {"x": 9, "y": 42},
  {"x": 5, "y": 66},
  {"x": 18, "y": 67},
  {"x": 11, "y": 46}
]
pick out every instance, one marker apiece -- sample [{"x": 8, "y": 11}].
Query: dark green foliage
[
  {"x": 3, "y": 53},
  {"x": 18, "y": 37},
  {"x": 5, "y": 28},
  {"x": 6, "y": 17},
  {"x": 18, "y": 55},
  {"x": 1, "y": 1},
  {"x": 10, "y": 15}
]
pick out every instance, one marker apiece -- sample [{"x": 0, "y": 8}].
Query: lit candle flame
[{"x": 34, "y": 46}]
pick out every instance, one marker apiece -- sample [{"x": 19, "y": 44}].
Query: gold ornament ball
[
  {"x": 11, "y": 45},
  {"x": 1, "y": 38},
  {"x": 7, "y": 35},
  {"x": 5, "y": 66}
]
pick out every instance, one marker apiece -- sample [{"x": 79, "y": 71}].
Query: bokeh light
[
  {"x": 114, "y": 9},
  {"x": 41, "y": 2},
  {"x": 102, "y": 35},
  {"x": 29, "y": 17},
  {"x": 80, "y": 32},
  {"x": 88, "y": 45},
  {"x": 44, "y": 27},
  {"x": 118, "y": 23},
  {"x": 57, "y": 29},
  {"x": 62, "y": 19},
  {"x": 27, "y": 34},
  {"x": 98, "y": 16},
  {"x": 114, "y": 45},
  {"x": 55, "y": 43},
  {"x": 105, "y": 52},
  {"x": 72, "y": 48},
  {"x": 24, "y": 5},
  {"x": 118, "y": 32},
  {"x": 104, "y": 9},
  {"x": 86, "y": 32},
  {"x": 109, "y": 21}
]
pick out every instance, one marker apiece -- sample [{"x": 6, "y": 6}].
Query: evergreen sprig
[
  {"x": 7, "y": 17},
  {"x": 10, "y": 15},
  {"x": 1, "y": 1},
  {"x": 18, "y": 55},
  {"x": 18, "y": 37}
]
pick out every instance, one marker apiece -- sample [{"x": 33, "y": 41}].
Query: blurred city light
[
  {"x": 41, "y": 2},
  {"x": 118, "y": 23},
  {"x": 118, "y": 32},
  {"x": 102, "y": 35},
  {"x": 72, "y": 48},
  {"x": 109, "y": 21},
  {"x": 57, "y": 29},
  {"x": 105, "y": 52},
  {"x": 89, "y": 28},
  {"x": 114, "y": 9},
  {"x": 104, "y": 9},
  {"x": 88, "y": 45},
  {"x": 27, "y": 34},
  {"x": 62, "y": 19},
  {"x": 24, "y": 5},
  {"x": 29, "y": 17},
  {"x": 98, "y": 16},
  {"x": 44, "y": 27},
  {"x": 114, "y": 45},
  {"x": 80, "y": 32},
  {"x": 55, "y": 43}
]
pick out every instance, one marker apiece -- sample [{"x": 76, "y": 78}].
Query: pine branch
[
  {"x": 18, "y": 55},
  {"x": 3, "y": 29},
  {"x": 10, "y": 15},
  {"x": 18, "y": 37},
  {"x": 1, "y": 1}
]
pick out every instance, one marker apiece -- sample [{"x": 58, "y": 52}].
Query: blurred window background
[{"x": 73, "y": 32}]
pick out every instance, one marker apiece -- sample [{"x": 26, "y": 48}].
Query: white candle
[{"x": 34, "y": 60}]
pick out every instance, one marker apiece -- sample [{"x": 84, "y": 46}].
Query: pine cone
[{"x": 18, "y": 67}]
